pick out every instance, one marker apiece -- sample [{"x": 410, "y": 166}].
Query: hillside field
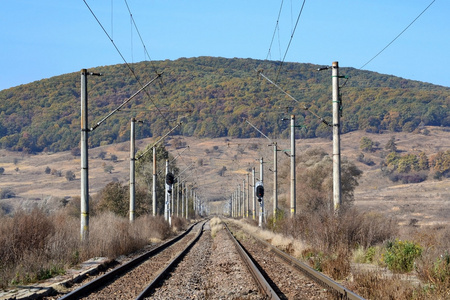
[{"x": 424, "y": 203}]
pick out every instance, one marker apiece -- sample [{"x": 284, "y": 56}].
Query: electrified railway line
[
  {"x": 131, "y": 279},
  {"x": 289, "y": 277},
  {"x": 213, "y": 264}
]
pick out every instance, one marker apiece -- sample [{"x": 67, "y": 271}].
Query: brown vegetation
[{"x": 36, "y": 246}]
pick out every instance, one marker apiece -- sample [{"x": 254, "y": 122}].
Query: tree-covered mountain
[{"x": 213, "y": 97}]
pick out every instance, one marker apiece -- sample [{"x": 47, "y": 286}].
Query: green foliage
[
  {"x": 441, "y": 163},
  {"x": 391, "y": 146},
  {"x": 144, "y": 172},
  {"x": 366, "y": 144},
  {"x": 406, "y": 163},
  {"x": 441, "y": 269},
  {"x": 370, "y": 254},
  {"x": 316, "y": 183},
  {"x": 400, "y": 255},
  {"x": 44, "y": 115},
  {"x": 115, "y": 197}
]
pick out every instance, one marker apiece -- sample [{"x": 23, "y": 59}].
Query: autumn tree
[
  {"x": 366, "y": 144},
  {"x": 391, "y": 146},
  {"x": 315, "y": 192},
  {"x": 115, "y": 197},
  {"x": 144, "y": 172},
  {"x": 440, "y": 163}
]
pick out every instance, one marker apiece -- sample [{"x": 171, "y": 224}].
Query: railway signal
[{"x": 259, "y": 191}]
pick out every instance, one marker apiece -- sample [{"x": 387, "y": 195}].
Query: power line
[
  {"x": 275, "y": 30},
  {"x": 125, "y": 61},
  {"x": 397, "y": 36},
  {"x": 292, "y": 98},
  {"x": 290, "y": 40},
  {"x": 140, "y": 37}
]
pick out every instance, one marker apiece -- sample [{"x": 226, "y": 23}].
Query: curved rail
[
  {"x": 117, "y": 272},
  {"x": 335, "y": 288},
  {"x": 263, "y": 285},
  {"x": 160, "y": 277}
]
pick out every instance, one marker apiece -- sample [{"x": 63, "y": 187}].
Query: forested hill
[{"x": 220, "y": 94}]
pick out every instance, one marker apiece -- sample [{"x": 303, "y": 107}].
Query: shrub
[
  {"x": 76, "y": 151},
  {"x": 400, "y": 255},
  {"x": 366, "y": 161},
  {"x": 408, "y": 178},
  {"x": 70, "y": 175},
  {"x": 178, "y": 224},
  {"x": 366, "y": 144},
  {"x": 48, "y": 170},
  {"x": 7, "y": 193}
]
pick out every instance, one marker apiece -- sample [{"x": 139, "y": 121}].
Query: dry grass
[
  {"x": 288, "y": 244},
  {"x": 35, "y": 246},
  {"x": 215, "y": 225}
]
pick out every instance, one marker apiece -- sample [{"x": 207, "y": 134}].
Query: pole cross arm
[
  {"x": 125, "y": 102},
  {"x": 157, "y": 142}
]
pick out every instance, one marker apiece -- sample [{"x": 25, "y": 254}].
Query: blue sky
[{"x": 41, "y": 39}]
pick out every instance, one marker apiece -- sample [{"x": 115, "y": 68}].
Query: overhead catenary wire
[
  {"x": 140, "y": 37},
  {"x": 290, "y": 40},
  {"x": 125, "y": 61},
  {"x": 292, "y": 98},
  {"x": 275, "y": 30},
  {"x": 390, "y": 43}
]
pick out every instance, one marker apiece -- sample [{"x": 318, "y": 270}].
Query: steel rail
[
  {"x": 335, "y": 288},
  {"x": 161, "y": 276},
  {"x": 261, "y": 281},
  {"x": 99, "y": 282}
]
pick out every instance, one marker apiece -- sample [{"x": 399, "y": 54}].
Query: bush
[
  {"x": 35, "y": 246},
  {"x": 408, "y": 178},
  {"x": 366, "y": 161},
  {"x": 7, "y": 193},
  {"x": 70, "y": 176},
  {"x": 400, "y": 255},
  {"x": 178, "y": 224}
]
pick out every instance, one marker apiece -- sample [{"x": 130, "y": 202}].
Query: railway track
[
  {"x": 278, "y": 266},
  {"x": 212, "y": 265},
  {"x": 131, "y": 279}
]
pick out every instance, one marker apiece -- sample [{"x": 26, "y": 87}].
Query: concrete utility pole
[
  {"x": 337, "y": 201},
  {"x": 239, "y": 200},
  {"x": 232, "y": 204},
  {"x": 182, "y": 199},
  {"x": 84, "y": 210},
  {"x": 254, "y": 198},
  {"x": 187, "y": 203},
  {"x": 248, "y": 195},
  {"x": 293, "y": 191},
  {"x": 166, "y": 197},
  {"x": 275, "y": 181},
  {"x": 84, "y": 213},
  {"x": 132, "y": 165},
  {"x": 261, "y": 204},
  {"x": 243, "y": 198},
  {"x": 154, "y": 183}
]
